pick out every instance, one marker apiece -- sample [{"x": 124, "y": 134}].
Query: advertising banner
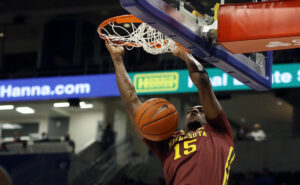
[
  {"x": 283, "y": 76},
  {"x": 159, "y": 82}
]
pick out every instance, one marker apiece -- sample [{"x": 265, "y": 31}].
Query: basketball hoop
[{"x": 131, "y": 32}]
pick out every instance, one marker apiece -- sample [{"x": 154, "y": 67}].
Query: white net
[{"x": 138, "y": 35}]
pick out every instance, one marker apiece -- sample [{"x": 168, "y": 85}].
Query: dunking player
[{"x": 203, "y": 153}]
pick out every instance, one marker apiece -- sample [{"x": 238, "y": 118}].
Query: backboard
[{"x": 184, "y": 22}]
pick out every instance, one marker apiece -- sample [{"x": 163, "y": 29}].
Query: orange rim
[
  {"x": 127, "y": 19},
  {"x": 119, "y": 19}
]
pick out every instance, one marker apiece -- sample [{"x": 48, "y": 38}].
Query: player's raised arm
[
  {"x": 200, "y": 78},
  {"x": 126, "y": 88}
]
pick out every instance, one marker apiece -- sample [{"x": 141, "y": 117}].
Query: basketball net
[{"x": 135, "y": 34}]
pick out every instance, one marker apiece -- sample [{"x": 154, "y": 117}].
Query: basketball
[{"x": 156, "y": 119}]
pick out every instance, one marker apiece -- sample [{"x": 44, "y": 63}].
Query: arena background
[{"x": 50, "y": 52}]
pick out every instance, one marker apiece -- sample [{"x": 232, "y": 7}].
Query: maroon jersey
[{"x": 201, "y": 157}]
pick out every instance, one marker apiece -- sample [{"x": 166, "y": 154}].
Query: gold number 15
[{"x": 189, "y": 147}]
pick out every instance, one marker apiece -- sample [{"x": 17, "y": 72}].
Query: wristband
[{"x": 196, "y": 62}]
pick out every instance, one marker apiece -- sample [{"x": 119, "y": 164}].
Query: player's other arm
[
  {"x": 200, "y": 78},
  {"x": 126, "y": 88},
  {"x": 212, "y": 108}
]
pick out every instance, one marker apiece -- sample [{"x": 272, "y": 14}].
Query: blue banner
[{"x": 88, "y": 86}]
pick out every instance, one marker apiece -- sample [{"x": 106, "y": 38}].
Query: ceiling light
[
  {"x": 61, "y": 104},
  {"x": 25, "y": 110},
  {"x": 6, "y": 107},
  {"x": 127, "y": 25},
  {"x": 9, "y": 126},
  {"x": 83, "y": 105}
]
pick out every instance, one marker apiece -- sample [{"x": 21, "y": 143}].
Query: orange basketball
[{"x": 156, "y": 119}]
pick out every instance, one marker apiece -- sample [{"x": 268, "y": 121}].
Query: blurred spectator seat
[
  {"x": 15, "y": 147},
  {"x": 39, "y": 147},
  {"x": 51, "y": 147}
]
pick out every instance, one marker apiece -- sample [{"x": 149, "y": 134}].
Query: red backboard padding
[{"x": 265, "y": 26}]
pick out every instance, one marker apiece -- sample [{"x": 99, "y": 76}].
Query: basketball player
[{"x": 201, "y": 154}]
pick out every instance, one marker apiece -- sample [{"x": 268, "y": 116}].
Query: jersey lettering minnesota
[{"x": 199, "y": 157}]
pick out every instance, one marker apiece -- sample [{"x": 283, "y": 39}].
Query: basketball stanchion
[{"x": 157, "y": 119}]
